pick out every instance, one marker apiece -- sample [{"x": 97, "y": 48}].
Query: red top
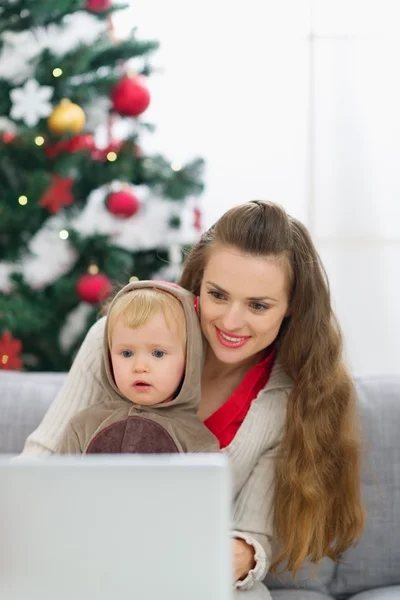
[{"x": 225, "y": 422}]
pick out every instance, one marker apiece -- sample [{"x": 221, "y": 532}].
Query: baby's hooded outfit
[{"x": 117, "y": 425}]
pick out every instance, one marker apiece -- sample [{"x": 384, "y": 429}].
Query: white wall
[
  {"x": 355, "y": 172},
  {"x": 299, "y": 102},
  {"x": 234, "y": 91}
]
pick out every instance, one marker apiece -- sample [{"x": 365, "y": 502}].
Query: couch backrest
[
  {"x": 375, "y": 561},
  {"x": 24, "y": 400}
]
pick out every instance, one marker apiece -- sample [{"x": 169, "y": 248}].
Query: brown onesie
[{"x": 117, "y": 425}]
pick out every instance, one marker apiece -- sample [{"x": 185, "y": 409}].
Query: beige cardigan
[{"x": 252, "y": 452}]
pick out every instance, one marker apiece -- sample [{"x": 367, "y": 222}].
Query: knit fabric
[{"x": 252, "y": 453}]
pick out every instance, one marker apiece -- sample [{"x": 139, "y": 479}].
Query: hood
[{"x": 188, "y": 397}]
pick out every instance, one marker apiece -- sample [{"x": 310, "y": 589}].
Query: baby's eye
[
  {"x": 158, "y": 353},
  {"x": 126, "y": 353}
]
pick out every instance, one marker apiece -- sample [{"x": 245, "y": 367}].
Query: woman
[{"x": 275, "y": 391}]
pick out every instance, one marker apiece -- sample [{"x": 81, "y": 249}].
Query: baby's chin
[{"x": 146, "y": 402}]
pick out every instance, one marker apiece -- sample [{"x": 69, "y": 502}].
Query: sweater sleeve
[
  {"x": 82, "y": 388},
  {"x": 253, "y": 516}
]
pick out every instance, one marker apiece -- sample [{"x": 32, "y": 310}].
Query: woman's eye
[
  {"x": 126, "y": 353},
  {"x": 216, "y": 295},
  {"x": 259, "y": 307},
  {"x": 158, "y": 353}
]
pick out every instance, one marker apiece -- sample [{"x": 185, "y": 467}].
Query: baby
[{"x": 151, "y": 374}]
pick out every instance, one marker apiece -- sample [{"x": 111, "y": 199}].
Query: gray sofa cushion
[
  {"x": 24, "y": 400},
  {"x": 298, "y": 595},
  {"x": 309, "y": 578},
  {"x": 389, "y": 593},
  {"x": 375, "y": 561}
]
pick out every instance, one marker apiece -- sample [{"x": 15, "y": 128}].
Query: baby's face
[{"x": 148, "y": 362}]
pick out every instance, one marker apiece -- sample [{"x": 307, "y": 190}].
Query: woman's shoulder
[
  {"x": 90, "y": 353},
  {"x": 95, "y": 336},
  {"x": 96, "y": 332}
]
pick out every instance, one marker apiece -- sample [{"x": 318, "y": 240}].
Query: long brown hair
[{"x": 318, "y": 507}]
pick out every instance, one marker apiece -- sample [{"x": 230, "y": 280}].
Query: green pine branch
[
  {"x": 36, "y": 316},
  {"x": 30, "y": 14}
]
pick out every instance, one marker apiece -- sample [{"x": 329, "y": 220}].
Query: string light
[
  {"x": 64, "y": 235},
  {"x": 133, "y": 279},
  {"x": 4, "y": 359},
  {"x": 57, "y": 72},
  {"x": 39, "y": 140},
  {"x": 112, "y": 156},
  {"x": 23, "y": 200},
  {"x": 176, "y": 165},
  {"x": 93, "y": 269}
]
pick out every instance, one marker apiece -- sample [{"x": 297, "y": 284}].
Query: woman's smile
[{"x": 229, "y": 340}]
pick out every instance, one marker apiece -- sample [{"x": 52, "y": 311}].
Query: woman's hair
[
  {"x": 137, "y": 307},
  {"x": 318, "y": 507}
]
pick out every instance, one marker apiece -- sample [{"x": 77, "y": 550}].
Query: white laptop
[{"x": 115, "y": 528}]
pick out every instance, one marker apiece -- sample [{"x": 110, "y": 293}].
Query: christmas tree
[{"x": 83, "y": 209}]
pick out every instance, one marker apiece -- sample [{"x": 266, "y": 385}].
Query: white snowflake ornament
[
  {"x": 7, "y": 125},
  {"x": 31, "y": 102}
]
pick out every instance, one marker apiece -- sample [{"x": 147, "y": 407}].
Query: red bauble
[
  {"x": 98, "y": 5},
  {"x": 122, "y": 204},
  {"x": 8, "y": 137},
  {"x": 130, "y": 97},
  {"x": 74, "y": 144},
  {"x": 93, "y": 288}
]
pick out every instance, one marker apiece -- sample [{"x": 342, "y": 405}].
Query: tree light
[
  {"x": 176, "y": 165},
  {"x": 23, "y": 200}
]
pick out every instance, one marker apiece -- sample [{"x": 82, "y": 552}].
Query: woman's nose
[{"x": 233, "y": 318}]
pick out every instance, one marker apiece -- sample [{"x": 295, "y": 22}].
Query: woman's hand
[{"x": 243, "y": 558}]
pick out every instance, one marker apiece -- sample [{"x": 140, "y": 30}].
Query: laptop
[{"x": 115, "y": 527}]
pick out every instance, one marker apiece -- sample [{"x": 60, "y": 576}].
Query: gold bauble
[{"x": 67, "y": 117}]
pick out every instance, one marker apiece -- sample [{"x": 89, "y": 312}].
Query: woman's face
[{"x": 243, "y": 300}]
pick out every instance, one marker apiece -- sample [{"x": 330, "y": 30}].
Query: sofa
[{"x": 369, "y": 571}]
